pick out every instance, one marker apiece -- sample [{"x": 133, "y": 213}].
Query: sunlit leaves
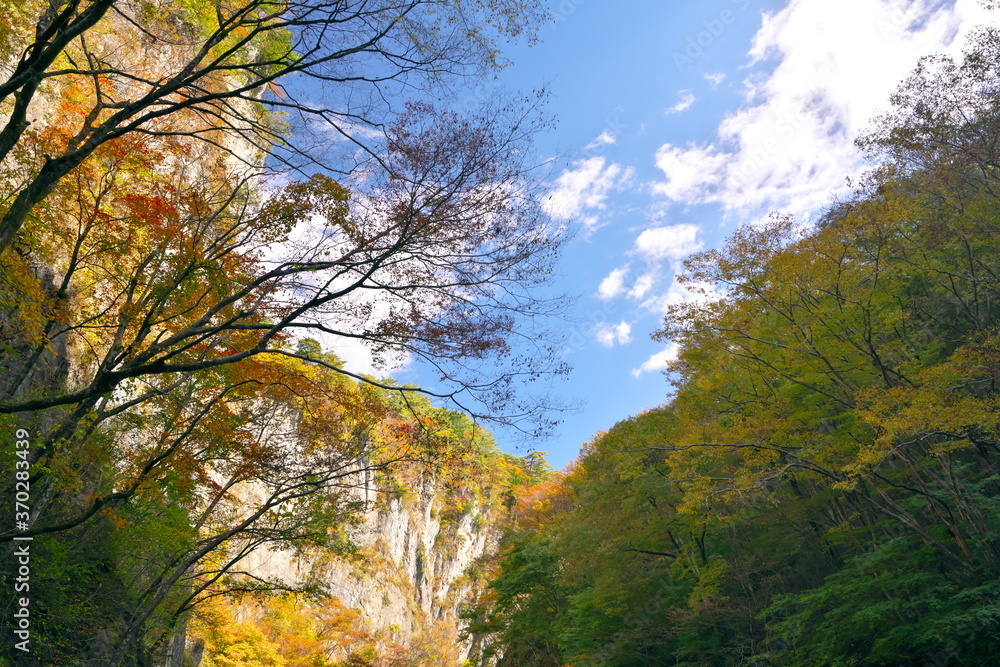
[{"x": 822, "y": 486}]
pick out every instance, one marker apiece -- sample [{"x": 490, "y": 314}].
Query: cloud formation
[
  {"x": 715, "y": 78},
  {"x": 791, "y": 144},
  {"x": 582, "y": 190},
  {"x": 670, "y": 243},
  {"x": 610, "y": 335},
  {"x": 613, "y": 284},
  {"x": 657, "y": 362},
  {"x": 642, "y": 285},
  {"x": 685, "y": 102},
  {"x": 603, "y": 139}
]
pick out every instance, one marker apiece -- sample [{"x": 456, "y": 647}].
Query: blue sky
[{"x": 680, "y": 121}]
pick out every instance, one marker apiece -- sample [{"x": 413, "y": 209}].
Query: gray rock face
[{"x": 414, "y": 567}]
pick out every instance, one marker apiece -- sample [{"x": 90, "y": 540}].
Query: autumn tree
[
  {"x": 151, "y": 275},
  {"x": 444, "y": 230},
  {"x": 216, "y": 73},
  {"x": 822, "y": 486},
  {"x": 159, "y": 276}
]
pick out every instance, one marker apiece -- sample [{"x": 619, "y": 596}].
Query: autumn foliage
[
  {"x": 822, "y": 486},
  {"x": 180, "y": 225}
]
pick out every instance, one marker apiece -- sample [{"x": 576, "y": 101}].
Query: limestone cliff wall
[{"x": 416, "y": 564}]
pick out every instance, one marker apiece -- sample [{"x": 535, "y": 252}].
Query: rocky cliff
[{"x": 415, "y": 564}]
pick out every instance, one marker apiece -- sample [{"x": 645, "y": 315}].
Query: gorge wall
[{"x": 418, "y": 549}]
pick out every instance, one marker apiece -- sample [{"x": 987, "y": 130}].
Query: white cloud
[
  {"x": 613, "y": 284},
  {"x": 657, "y": 362},
  {"x": 715, "y": 79},
  {"x": 671, "y": 242},
  {"x": 606, "y": 137},
  {"x": 699, "y": 292},
  {"x": 642, "y": 285},
  {"x": 685, "y": 102},
  {"x": 610, "y": 335},
  {"x": 834, "y": 65},
  {"x": 656, "y": 246},
  {"x": 582, "y": 189},
  {"x": 693, "y": 172},
  {"x": 358, "y": 358}
]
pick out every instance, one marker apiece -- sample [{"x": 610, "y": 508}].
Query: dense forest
[
  {"x": 203, "y": 200},
  {"x": 200, "y": 200},
  {"x": 822, "y": 487}
]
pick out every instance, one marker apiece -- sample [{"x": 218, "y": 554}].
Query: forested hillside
[
  {"x": 822, "y": 487},
  {"x": 224, "y": 226},
  {"x": 199, "y": 200}
]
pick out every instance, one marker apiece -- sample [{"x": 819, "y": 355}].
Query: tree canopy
[
  {"x": 200, "y": 199},
  {"x": 821, "y": 487}
]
